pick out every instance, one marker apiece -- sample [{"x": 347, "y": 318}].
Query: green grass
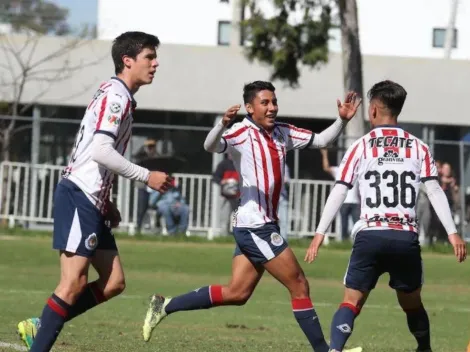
[{"x": 29, "y": 272}]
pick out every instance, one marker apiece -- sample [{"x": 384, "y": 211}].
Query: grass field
[{"x": 29, "y": 272}]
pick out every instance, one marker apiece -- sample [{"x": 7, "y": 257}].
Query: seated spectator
[{"x": 173, "y": 208}]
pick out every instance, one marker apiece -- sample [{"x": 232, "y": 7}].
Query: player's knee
[
  {"x": 237, "y": 297},
  {"x": 114, "y": 288},
  {"x": 300, "y": 288},
  {"x": 410, "y": 301},
  {"x": 71, "y": 288}
]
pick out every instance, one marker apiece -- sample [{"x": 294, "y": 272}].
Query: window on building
[
  {"x": 439, "y": 38},
  {"x": 223, "y": 35}
]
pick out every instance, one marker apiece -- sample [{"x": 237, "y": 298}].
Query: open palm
[{"x": 348, "y": 109}]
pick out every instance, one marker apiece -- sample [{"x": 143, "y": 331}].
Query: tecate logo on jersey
[{"x": 390, "y": 157}]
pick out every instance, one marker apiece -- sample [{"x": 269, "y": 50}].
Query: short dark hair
[
  {"x": 131, "y": 44},
  {"x": 251, "y": 89},
  {"x": 391, "y": 94}
]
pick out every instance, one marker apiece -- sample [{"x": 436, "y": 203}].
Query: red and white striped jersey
[
  {"x": 388, "y": 163},
  {"x": 109, "y": 112},
  {"x": 260, "y": 161}
]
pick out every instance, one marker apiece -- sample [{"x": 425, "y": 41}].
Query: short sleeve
[
  {"x": 348, "y": 170},
  {"x": 111, "y": 111},
  {"x": 297, "y": 138},
  {"x": 235, "y": 137},
  {"x": 428, "y": 165}
]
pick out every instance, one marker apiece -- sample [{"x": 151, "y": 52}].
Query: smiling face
[
  {"x": 142, "y": 69},
  {"x": 263, "y": 109}
]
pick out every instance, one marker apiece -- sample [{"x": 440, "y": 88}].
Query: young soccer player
[
  {"x": 388, "y": 164},
  {"x": 258, "y": 147},
  {"x": 81, "y": 200}
]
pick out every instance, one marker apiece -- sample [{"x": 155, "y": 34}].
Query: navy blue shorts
[
  {"x": 79, "y": 227},
  {"x": 261, "y": 244},
  {"x": 385, "y": 251}
]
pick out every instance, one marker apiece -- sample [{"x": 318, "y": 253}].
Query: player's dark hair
[
  {"x": 391, "y": 94},
  {"x": 131, "y": 44},
  {"x": 251, "y": 89}
]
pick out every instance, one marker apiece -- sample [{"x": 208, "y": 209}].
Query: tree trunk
[{"x": 352, "y": 64}]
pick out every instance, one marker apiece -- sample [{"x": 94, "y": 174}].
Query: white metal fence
[{"x": 26, "y": 199}]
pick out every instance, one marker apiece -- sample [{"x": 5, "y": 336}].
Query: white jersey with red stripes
[
  {"x": 388, "y": 163},
  {"x": 110, "y": 113},
  {"x": 260, "y": 158}
]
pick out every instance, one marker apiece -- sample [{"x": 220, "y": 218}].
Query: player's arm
[
  {"x": 112, "y": 110},
  {"x": 214, "y": 142},
  {"x": 346, "y": 177},
  {"x": 439, "y": 202},
  {"x": 346, "y": 111}
]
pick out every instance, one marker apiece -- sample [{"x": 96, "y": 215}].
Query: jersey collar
[
  {"x": 388, "y": 126},
  {"x": 250, "y": 122},
  {"x": 134, "y": 103}
]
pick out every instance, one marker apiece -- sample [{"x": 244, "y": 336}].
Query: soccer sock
[
  {"x": 90, "y": 297},
  {"x": 418, "y": 323},
  {"x": 52, "y": 321},
  {"x": 309, "y": 323},
  {"x": 342, "y": 325},
  {"x": 202, "y": 298}
]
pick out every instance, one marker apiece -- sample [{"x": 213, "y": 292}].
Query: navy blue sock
[
  {"x": 309, "y": 323},
  {"x": 52, "y": 321},
  {"x": 202, "y": 298},
  {"x": 90, "y": 297},
  {"x": 418, "y": 323},
  {"x": 342, "y": 325}
]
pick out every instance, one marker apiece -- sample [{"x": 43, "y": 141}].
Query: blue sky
[{"x": 80, "y": 11}]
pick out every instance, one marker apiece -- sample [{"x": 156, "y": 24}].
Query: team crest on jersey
[
  {"x": 115, "y": 108},
  {"x": 114, "y": 120},
  {"x": 276, "y": 239},
  {"x": 390, "y": 157},
  {"x": 91, "y": 242}
]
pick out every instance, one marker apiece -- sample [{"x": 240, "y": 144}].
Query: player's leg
[
  {"x": 406, "y": 277},
  {"x": 73, "y": 279},
  {"x": 286, "y": 269},
  {"x": 110, "y": 283},
  {"x": 245, "y": 277},
  {"x": 344, "y": 215},
  {"x": 416, "y": 317},
  {"x": 364, "y": 269}
]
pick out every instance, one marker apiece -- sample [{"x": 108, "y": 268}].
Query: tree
[
  {"x": 37, "y": 16},
  {"x": 23, "y": 63},
  {"x": 285, "y": 44}
]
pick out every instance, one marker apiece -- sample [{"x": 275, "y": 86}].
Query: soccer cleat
[
  {"x": 27, "y": 330},
  {"x": 357, "y": 349},
  {"x": 155, "y": 314}
]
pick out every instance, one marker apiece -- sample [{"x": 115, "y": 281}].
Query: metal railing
[{"x": 26, "y": 199}]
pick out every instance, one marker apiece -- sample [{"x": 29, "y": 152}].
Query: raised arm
[
  {"x": 346, "y": 111},
  {"x": 214, "y": 142}
]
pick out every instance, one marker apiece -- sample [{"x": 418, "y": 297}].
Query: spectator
[
  {"x": 226, "y": 176},
  {"x": 148, "y": 150},
  {"x": 172, "y": 206},
  {"x": 351, "y": 206}
]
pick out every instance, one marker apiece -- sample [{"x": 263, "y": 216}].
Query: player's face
[
  {"x": 144, "y": 66},
  {"x": 263, "y": 109}
]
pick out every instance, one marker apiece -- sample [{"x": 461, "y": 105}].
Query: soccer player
[
  {"x": 258, "y": 147},
  {"x": 388, "y": 163},
  {"x": 82, "y": 209}
]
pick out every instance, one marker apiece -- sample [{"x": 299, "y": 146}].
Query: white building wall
[{"x": 397, "y": 28}]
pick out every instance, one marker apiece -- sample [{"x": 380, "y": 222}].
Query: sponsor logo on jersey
[
  {"x": 390, "y": 157},
  {"x": 391, "y": 142}
]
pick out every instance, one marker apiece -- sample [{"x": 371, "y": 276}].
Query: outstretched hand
[{"x": 348, "y": 109}]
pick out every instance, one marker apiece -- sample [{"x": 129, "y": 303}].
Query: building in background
[{"x": 415, "y": 28}]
